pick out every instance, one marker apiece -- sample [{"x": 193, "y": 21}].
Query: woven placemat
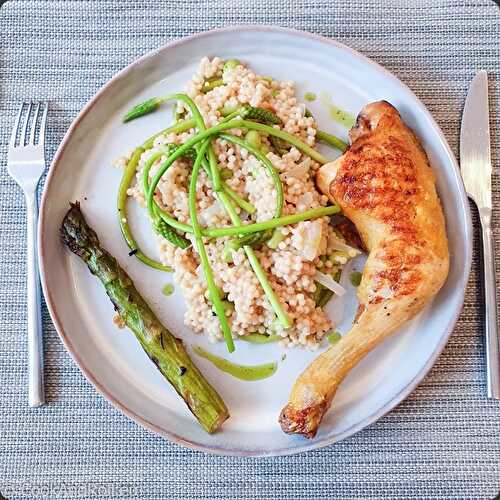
[{"x": 442, "y": 442}]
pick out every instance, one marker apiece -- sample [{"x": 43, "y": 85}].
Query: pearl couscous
[{"x": 305, "y": 247}]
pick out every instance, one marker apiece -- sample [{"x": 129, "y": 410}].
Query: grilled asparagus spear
[{"x": 166, "y": 351}]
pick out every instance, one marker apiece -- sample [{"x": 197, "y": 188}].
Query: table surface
[{"x": 442, "y": 442}]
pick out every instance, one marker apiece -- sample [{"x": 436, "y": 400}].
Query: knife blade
[
  {"x": 475, "y": 165},
  {"x": 475, "y": 159}
]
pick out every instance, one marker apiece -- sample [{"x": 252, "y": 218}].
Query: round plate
[{"x": 112, "y": 359}]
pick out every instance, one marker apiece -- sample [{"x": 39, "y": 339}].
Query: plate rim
[{"x": 170, "y": 435}]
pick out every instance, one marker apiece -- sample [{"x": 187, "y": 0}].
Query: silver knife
[{"x": 475, "y": 165}]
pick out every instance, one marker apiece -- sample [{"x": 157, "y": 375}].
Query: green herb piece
[
  {"x": 227, "y": 254},
  {"x": 337, "y": 114},
  {"x": 168, "y": 289},
  {"x": 333, "y": 337},
  {"x": 322, "y": 295},
  {"x": 280, "y": 146},
  {"x": 355, "y": 278},
  {"x": 310, "y": 96},
  {"x": 226, "y": 174},
  {"x": 264, "y": 149},
  {"x": 253, "y": 138},
  {"x": 230, "y": 64},
  {"x": 260, "y": 115},
  {"x": 277, "y": 237}
]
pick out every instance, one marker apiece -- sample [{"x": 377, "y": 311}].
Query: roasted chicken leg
[{"x": 385, "y": 186}]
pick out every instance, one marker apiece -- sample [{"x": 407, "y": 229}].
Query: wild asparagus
[{"x": 166, "y": 351}]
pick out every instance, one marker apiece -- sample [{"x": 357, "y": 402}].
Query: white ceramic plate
[{"x": 112, "y": 359}]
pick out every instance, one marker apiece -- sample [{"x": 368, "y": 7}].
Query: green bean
[
  {"x": 331, "y": 140},
  {"x": 205, "y": 264},
  {"x": 121, "y": 203},
  {"x": 214, "y": 169},
  {"x": 198, "y": 120}
]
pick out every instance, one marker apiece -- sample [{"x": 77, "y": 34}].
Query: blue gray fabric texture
[{"x": 442, "y": 442}]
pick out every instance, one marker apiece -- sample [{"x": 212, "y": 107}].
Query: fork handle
[
  {"x": 36, "y": 396},
  {"x": 491, "y": 320}
]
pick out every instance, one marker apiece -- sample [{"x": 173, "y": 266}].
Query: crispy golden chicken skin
[{"x": 385, "y": 186}]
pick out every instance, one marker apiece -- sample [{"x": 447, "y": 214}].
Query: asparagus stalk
[{"x": 165, "y": 351}]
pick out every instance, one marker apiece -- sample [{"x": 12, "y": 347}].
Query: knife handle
[{"x": 491, "y": 320}]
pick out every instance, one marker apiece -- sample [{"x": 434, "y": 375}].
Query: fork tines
[{"x": 35, "y": 118}]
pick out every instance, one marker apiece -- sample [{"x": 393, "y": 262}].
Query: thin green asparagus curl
[
  {"x": 273, "y": 173},
  {"x": 314, "y": 213},
  {"x": 144, "y": 108},
  {"x": 260, "y": 274},
  {"x": 179, "y": 127},
  {"x": 207, "y": 270},
  {"x": 159, "y": 225},
  {"x": 165, "y": 351},
  {"x": 121, "y": 205},
  {"x": 331, "y": 140}
]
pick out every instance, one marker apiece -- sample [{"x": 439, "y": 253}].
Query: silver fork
[{"x": 26, "y": 164}]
